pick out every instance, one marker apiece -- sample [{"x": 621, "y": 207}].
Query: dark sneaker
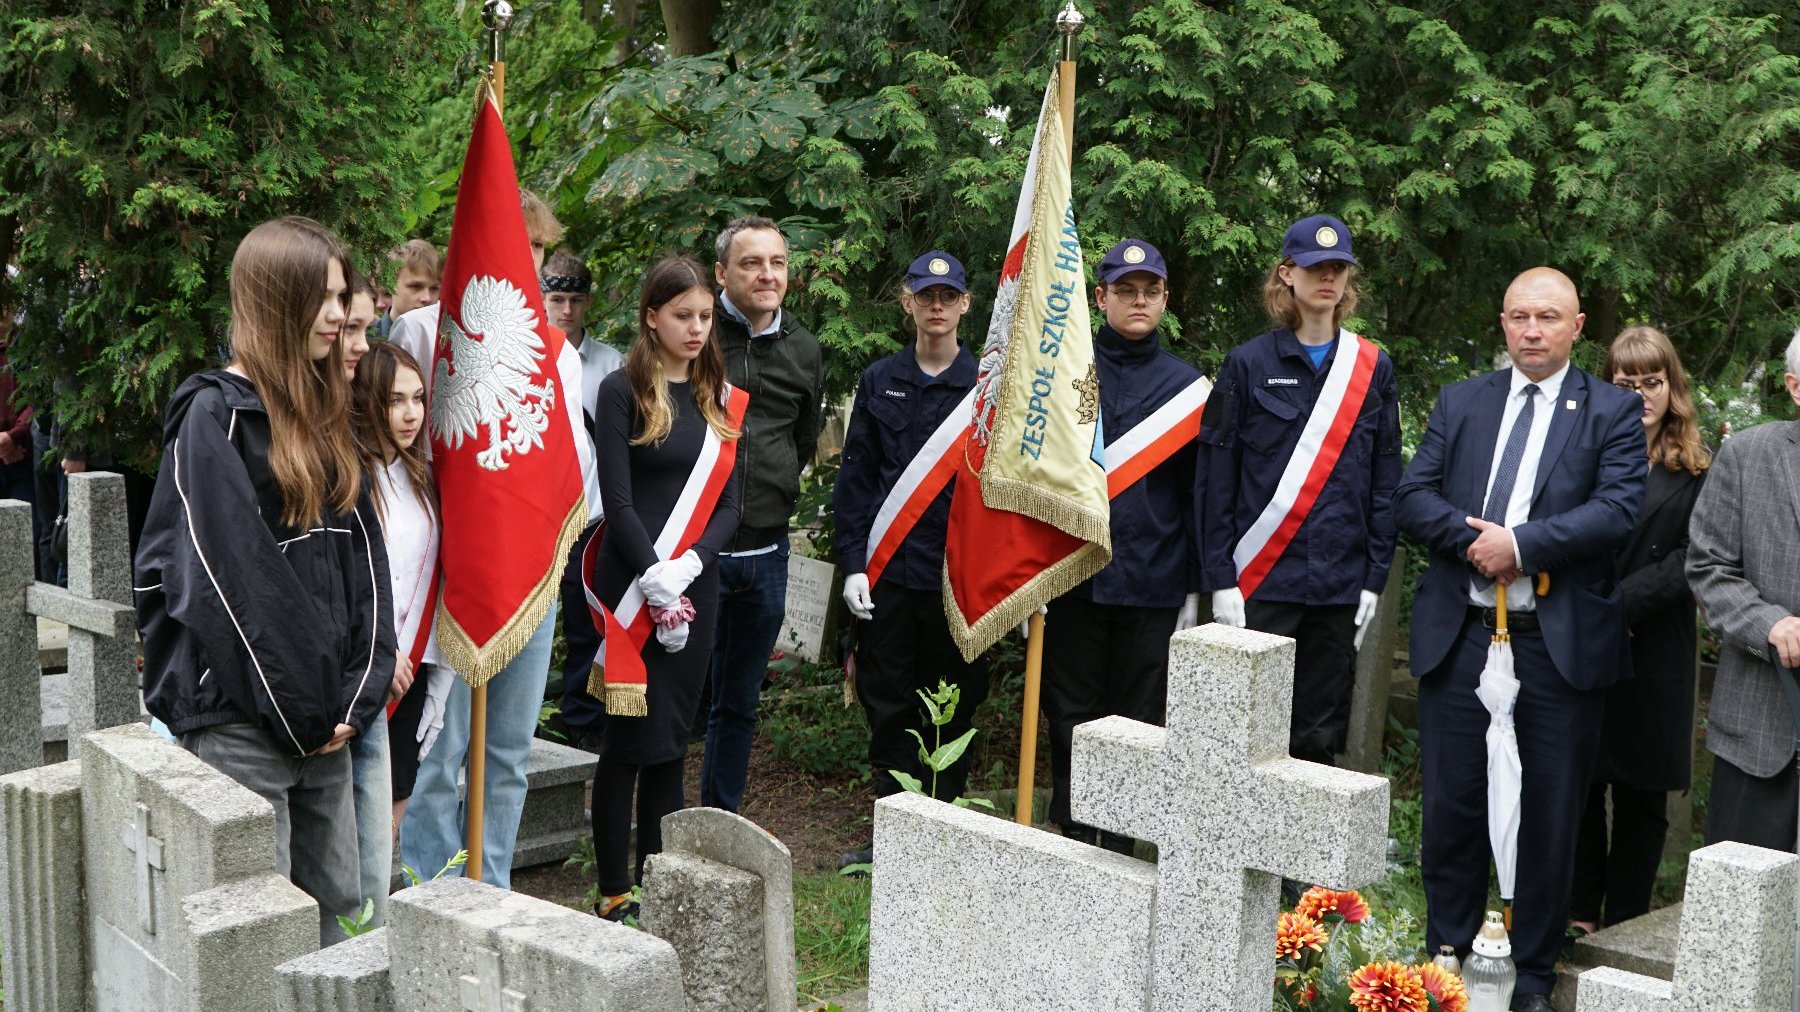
[{"x": 861, "y": 856}]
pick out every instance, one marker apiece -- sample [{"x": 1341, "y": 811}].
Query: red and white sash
[
  {"x": 918, "y": 486},
  {"x": 1155, "y": 439},
  {"x": 1322, "y": 441},
  {"x": 620, "y": 678}
]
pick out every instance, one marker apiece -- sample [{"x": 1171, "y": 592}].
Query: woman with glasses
[
  {"x": 1647, "y": 738},
  {"x": 893, "y": 555}
]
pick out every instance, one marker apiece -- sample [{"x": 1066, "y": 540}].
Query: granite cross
[
  {"x": 485, "y": 990},
  {"x": 149, "y": 852},
  {"x": 1229, "y": 812}
]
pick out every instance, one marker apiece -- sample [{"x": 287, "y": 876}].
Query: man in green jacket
[{"x": 777, "y": 362}]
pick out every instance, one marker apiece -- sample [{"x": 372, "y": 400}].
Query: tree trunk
[
  {"x": 690, "y": 24},
  {"x": 1603, "y": 316}
]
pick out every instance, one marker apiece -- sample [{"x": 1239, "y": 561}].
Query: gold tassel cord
[{"x": 627, "y": 701}]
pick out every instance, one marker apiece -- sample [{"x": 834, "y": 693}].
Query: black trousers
[
  {"x": 1615, "y": 872},
  {"x": 1558, "y": 728},
  {"x": 658, "y": 790},
  {"x": 1324, "y": 671},
  {"x": 1100, "y": 660},
  {"x": 1760, "y": 811},
  {"x": 580, "y": 711},
  {"x": 907, "y": 647}
]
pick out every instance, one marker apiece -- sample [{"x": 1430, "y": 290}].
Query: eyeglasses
[
  {"x": 1650, "y": 385},
  {"x": 1132, "y": 293},
  {"x": 937, "y": 297}
]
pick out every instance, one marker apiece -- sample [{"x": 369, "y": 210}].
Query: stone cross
[
  {"x": 1736, "y": 944},
  {"x": 148, "y": 852},
  {"x": 21, "y": 719},
  {"x": 1229, "y": 812},
  {"x": 485, "y": 991}
]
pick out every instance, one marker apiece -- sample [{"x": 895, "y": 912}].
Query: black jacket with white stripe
[{"x": 245, "y": 619}]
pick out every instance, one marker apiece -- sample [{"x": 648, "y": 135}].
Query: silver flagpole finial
[
  {"x": 497, "y": 15},
  {"x": 1069, "y": 23}
]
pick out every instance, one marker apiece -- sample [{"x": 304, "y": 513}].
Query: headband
[{"x": 566, "y": 283}]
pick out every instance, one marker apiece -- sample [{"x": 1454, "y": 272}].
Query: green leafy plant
[
  {"x": 940, "y": 705},
  {"x": 362, "y": 923}
]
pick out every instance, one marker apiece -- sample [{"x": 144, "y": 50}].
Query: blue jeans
[
  {"x": 433, "y": 829},
  {"x": 752, "y": 604},
  {"x": 372, "y": 785}
]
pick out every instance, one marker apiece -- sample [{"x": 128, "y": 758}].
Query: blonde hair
[
  {"x": 672, "y": 277},
  {"x": 277, "y": 286},
  {"x": 1640, "y": 351},
  {"x": 540, "y": 223},
  {"x": 418, "y": 256},
  {"x": 1283, "y": 308}
]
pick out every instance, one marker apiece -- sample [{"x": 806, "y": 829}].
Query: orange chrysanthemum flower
[
  {"x": 1445, "y": 986},
  {"x": 1388, "y": 987},
  {"x": 1294, "y": 934},
  {"x": 1320, "y": 901}
]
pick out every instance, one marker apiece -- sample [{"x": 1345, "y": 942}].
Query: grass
[{"x": 831, "y": 934}]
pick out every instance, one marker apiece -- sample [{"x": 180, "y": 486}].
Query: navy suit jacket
[{"x": 1590, "y": 483}]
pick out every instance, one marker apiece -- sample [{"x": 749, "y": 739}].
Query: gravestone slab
[
  {"x": 1736, "y": 945},
  {"x": 1374, "y": 674},
  {"x": 712, "y": 914},
  {"x": 974, "y": 912},
  {"x": 736, "y": 842},
  {"x": 103, "y": 676},
  {"x": 20, "y": 742},
  {"x": 351, "y": 976},
  {"x": 210, "y": 925},
  {"x": 551, "y": 957},
  {"x": 1230, "y": 814},
  {"x": 809, "y": 599},
  {"x": 43, "y": 908},
  {"x": 1644, "y": 945}
]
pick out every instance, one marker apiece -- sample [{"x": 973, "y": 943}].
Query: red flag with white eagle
[{"x": 502, "y": 439}]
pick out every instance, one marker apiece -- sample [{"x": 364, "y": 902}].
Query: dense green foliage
[
  {"x": 1648, "y": 147},
  {"x": 140, "y": 141}
]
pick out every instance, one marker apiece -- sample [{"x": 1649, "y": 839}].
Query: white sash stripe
[
  {"x": 1191, "y": 398},
  {"x": 685, "y": 505},
  {"x": 1312, "y": 440},
  {"x": 948, "y": 431}
]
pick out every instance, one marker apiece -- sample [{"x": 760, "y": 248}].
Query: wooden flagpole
[
  {"x": 497, "y": 16},
  {"x": 1068, "y": 24}
]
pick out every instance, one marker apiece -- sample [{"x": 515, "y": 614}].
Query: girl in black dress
[
  {"x": 1647, "y": 737},
  {"x": 651, "y": 422}
]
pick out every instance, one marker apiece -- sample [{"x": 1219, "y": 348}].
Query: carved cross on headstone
[
  {"x": 149, "y": 852},
  {"x": 485, "y": 991},
  {"x": 1229, "y": 812}
]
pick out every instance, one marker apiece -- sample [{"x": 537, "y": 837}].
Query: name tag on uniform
[
  {"x": 898, "y": 395},
  {"x": 1568, "y": 405},
  {"x": 1281, "y": 381}
]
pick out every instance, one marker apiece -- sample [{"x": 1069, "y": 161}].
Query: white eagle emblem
[{"x": 488, "y": 378}]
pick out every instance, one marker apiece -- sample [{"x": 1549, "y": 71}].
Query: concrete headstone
[
  {"x": 970, "y": 911},
  {"x": 351, "y": 976},
  {"x": 722, "y": 892},
  {"x": 21, "y": 735},
  {"x": 44, "y": 911},
  {"x": 1737, "y": 940},
  {"x": 103, "y": 677},
  {"x": 809, "y": 600},
  {"x": 549, "y": 957},
  {"x": 1230, "y": 814}
]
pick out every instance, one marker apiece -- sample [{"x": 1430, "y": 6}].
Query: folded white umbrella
[{"x": 1499, "y": 691}]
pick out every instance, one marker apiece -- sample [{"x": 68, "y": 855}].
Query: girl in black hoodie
[{"x": 262, "y": 582}]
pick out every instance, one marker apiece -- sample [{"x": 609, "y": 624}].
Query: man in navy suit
[{"x": 1535, "y": 469}]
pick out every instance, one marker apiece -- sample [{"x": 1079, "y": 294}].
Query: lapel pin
[{"x": 1569, "y": 405}]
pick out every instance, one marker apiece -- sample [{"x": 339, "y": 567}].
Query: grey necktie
[{"x": 1508, "y": 473}]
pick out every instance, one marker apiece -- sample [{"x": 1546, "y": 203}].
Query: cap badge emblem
[
  {"x": 1134, "y": 254},
  {"x": 938, "y": 266},
  {"x": 1326, "y": 236}
]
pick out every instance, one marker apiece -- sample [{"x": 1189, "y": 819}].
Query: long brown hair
[
  {"x": 1283, "y": 308},
  {"x": 672, "y": 277},
  {"x": 277, "y": 286},
  {"x": 370, "y": 393},
  {"x": 1640, "y": 351}
]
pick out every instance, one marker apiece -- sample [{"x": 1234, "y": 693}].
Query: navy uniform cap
[
  {"x": 1317, "y": 239},
  {"x": 936, "y": 268},
  {"x": 1129, "y": 256}
]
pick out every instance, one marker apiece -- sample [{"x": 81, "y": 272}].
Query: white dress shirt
[
  {"x": 409, "y": 532},
  {"x": 597, "y": 359},
  {"x": 1518, "y": 506}
]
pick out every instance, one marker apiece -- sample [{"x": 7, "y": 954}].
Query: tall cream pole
[
  {"x": 497, "y": 16},
  {"x": 1068, "y": 24}
]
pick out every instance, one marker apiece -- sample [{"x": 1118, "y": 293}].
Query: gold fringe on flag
[
  {"x": 477, "y": 664},
  {"x": 625, "y": 700}
]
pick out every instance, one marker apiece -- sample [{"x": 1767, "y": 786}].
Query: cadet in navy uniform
[
  {"x": 1321, "y": 588},
  {"x": 1106, "y": 645},
  {"x": 903, "y": 639}
]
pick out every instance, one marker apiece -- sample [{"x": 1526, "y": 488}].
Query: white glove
[
  {"x": 672, "y": 639},
  {"x": 431, "y": 717},
  {"x": 856, "y": 596},
  {"x": 664, "y": 583},
  {"x": 1189, "y": 615},
  {"x": 1228, "y": 607},
  {"x": 1025, "y": 626},
  {"x": 1365, "y": 610}
]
